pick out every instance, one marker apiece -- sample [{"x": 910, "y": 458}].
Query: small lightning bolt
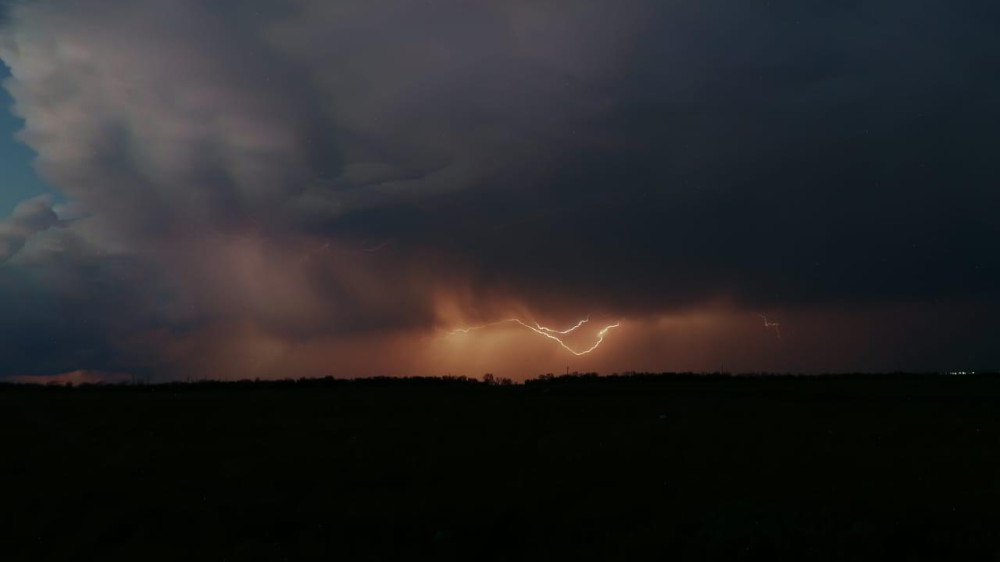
[
  {"x": 326, "y": 248},
  {"x": 550, "y": 333},
  {"x": 775, "y": 325}
]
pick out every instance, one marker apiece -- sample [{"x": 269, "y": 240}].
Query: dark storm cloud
[
  {"x": 781, "y": 153},
  {"x": 636, "y": 158}
]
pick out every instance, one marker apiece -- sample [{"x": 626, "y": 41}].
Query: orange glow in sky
[{"x": 550, "y": 333}]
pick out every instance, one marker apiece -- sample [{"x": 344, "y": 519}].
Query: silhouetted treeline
[
  {"x": 314, "y": 382},
  {"x": 490, "y": 380},
  {"x": 625, "y": 466}
]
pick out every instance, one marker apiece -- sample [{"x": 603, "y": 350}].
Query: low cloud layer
[{"x": 305, "y": 187}]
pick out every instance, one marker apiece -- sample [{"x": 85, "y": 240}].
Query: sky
[{"x": 285, "y": 188}]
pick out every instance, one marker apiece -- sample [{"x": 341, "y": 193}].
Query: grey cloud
[
  {"x": 163, "y": 113},
  {"x": 28, "y": 218}
]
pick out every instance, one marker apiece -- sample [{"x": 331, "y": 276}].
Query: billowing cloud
[{"x": 319, "y": 186}]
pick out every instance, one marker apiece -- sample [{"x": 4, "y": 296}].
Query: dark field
[{"x": 690, "y": 468}]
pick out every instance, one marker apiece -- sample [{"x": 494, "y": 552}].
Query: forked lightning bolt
[
  {"x": 775, "y": 325},
  {"x": 550, "y": 333}
]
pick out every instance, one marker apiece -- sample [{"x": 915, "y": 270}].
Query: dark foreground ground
[{"x": 674, "y": 468}]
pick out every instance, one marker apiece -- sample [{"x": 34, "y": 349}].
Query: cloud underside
[{"x": 306, "y": 187}]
